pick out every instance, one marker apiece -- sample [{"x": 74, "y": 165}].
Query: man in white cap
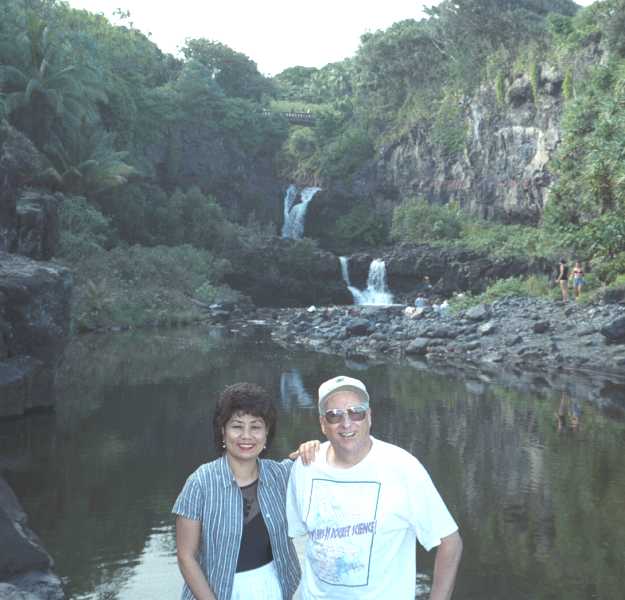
[{"x": 363, "y": 504}]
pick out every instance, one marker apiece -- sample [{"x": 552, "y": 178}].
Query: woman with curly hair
[{"x": 231, "y": 531}]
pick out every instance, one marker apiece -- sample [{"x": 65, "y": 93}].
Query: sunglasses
[{"x": 336, "y": 415}]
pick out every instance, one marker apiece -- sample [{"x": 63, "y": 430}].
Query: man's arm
[
  {"x": 188, "y": 534},
  {"x": 446, "y": 566}
]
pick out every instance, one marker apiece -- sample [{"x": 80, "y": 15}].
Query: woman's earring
[{"x": 223, "y": 444}]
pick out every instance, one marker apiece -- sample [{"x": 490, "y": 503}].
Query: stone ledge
[{"x": 25, "y": 384}]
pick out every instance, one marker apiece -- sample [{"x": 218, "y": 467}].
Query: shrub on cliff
[
  {"x": 84, "y": 229},
  {"x": 415, "y": 220}
]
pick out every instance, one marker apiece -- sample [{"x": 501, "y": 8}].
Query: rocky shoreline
[
  {"x": 26, "y": 571},
  {"x": 524, "y": 341}
]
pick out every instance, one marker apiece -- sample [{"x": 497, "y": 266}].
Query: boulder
[
  {"x": 418, "y": 346},
  {"x": 481, "y": 312},
  {"x": 36, "y": 306},
  {"x": 488, "y": 328},
  {"x": 358, "y": 327},
  {"x": 614, "y": 295},
  {"x": 25, "y": 383},
  {"x": 25, "y": 566},
  {"x": 614, "y": 332},
  {"x": 541, "y": 326}
]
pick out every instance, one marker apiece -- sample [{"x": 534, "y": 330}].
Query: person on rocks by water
[
  {"x": 563, "y": 278},
  {"x": 568, "y": 415},
  {"x": 231, "y": 530},
  {"x": 362, "y": 504},
  {"x": 578, "y": 279}
]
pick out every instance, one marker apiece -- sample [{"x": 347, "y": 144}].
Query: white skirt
[{"x": 257, "y": 584}]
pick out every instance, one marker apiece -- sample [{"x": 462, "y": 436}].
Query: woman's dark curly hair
[{"x": 248, "y": 399}]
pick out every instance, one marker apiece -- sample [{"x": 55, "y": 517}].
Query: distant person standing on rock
[
  {"x": 563, "y": 278},
  {"x": 578, "y": 279}
]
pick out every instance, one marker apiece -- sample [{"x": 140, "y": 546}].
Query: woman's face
[{"x": 245, "y": 436}]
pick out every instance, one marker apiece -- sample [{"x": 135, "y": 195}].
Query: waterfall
[
  {"x": 292, "y": 391},
  {"x": 295, "y": 212},
  {"x": 377, "y": 292}
]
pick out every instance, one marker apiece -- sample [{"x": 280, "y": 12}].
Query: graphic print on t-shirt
[{"x": 341, "y": 523}]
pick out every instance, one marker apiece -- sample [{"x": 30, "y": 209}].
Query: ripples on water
[{"x": 541, "y": 510}]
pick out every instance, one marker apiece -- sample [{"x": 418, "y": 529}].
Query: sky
[{"x": 276, "y": 34}]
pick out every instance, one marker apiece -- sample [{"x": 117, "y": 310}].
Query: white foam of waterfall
[
  {"x": 295, "y": 212},
  {"x": 292, "y": 391},
  {"x": 376, "y": 292}
]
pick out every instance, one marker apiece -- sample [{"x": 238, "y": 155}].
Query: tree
[
  {"x": 45, "y": 90},
  {"x": 234, "y": 72},
  {"x": 86, "y": 162}
]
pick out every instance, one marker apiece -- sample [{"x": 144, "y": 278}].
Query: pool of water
[{"x": 540, "y": 500}]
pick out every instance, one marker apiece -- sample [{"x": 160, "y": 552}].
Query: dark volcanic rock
[
  {"x": 449, "y": 270},
  {"x": 358, "y": 327},
  {"x": 488, "y": 328},
  {"x": 541, "y": 326},
  {"x": 36, "y": 304},
  {"x": 614, "y": 295},
  {"x": 25, "y": 567},
  {"x": 34, "y": 325},
  {"x": 284, "y": 272},
  {"x": 19, "y": 160},
  {"x": 614, "y": 331},
  {"x": 25, "y": 383},
  {"x": 481, "y": 312},
  {"x": 418, "y": 346},
  {"x": 38, "y": 224}
]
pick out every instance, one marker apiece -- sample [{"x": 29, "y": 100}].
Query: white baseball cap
[{"x": 337, "y": 384}]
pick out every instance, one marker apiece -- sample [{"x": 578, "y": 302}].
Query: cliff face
[
  {"x": 502, "y": 170},
  {"x": 194, "y": 155},
  {"x": 34, "y": 293}
]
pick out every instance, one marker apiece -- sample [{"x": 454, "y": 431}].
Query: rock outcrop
[
  {"x": 498, "y": 167},
  {"x": 284, "y": 272},
  {"x": 19, "y": 160},
  {"x": 449, "y": 270},
  {"x": 502, "y": 170},
  {"x": 513, "y": 337},
  {"x": 192, "y": 154},
  {"x": 26, "y": 568},
  {"x": 34, "y": 325},
  {"x": 38, "y": 227},
  {"x": 34, "y": 295}
]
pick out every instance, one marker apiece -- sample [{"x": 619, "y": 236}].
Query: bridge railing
[{"x": 297, "y": 118}]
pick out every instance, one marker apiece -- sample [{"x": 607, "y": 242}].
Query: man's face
[{"x": 348, "y": 436}]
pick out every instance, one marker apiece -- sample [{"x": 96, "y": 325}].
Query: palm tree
[
  {"x": 45, "y": 91},
  {"x": 85, "y": 161}
]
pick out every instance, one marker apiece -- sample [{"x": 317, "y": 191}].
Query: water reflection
[
  {"x": 293, "y": 394},
  {"x": 541, "y": 513}
]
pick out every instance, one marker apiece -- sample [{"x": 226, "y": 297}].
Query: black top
[
  {"x": 565, "y": 272},
  {"x": 255, "y": 550}
]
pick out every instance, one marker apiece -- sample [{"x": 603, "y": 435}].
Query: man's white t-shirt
[{"x": 362, "y": 523}]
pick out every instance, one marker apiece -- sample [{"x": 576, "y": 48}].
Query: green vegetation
[
  {"x": 138, "y": 286},
  {"x": 155, "y": 151},
  {"x": 533, "y": 286},
  {"x": 416, "y": 221},
  {"x": 117, "y": 122}
]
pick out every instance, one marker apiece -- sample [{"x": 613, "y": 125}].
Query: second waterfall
[
  {"x": 295, "y": 212},
  {"x": 376, "y": 292}
]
